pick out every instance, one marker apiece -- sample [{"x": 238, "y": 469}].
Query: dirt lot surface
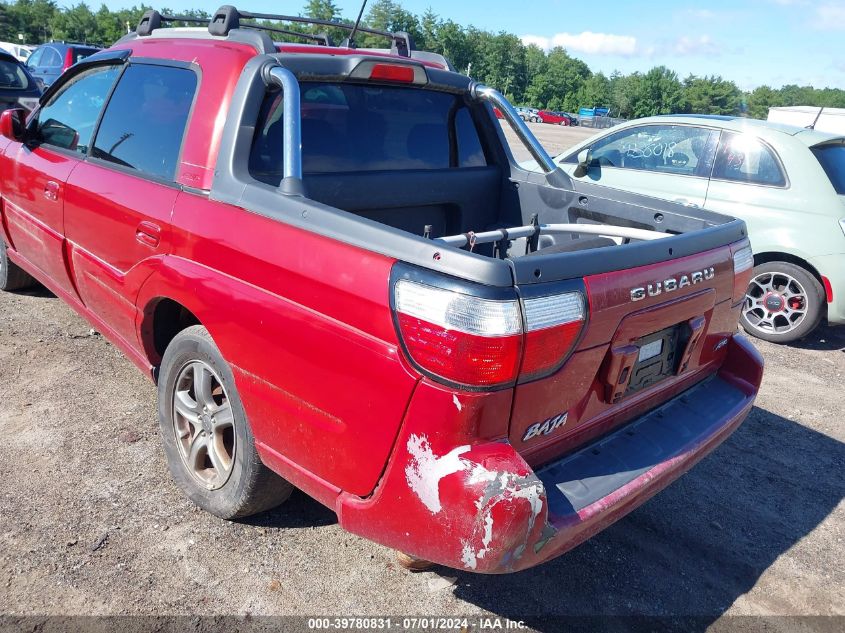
[{"x": 90, "y": 522}]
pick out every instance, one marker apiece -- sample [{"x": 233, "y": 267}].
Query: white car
[
  {"x": 20, "y": 51},
  {"x": 787, "y": 183}
]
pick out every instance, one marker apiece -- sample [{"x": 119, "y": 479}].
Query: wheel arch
[
  {"x": 162, "y": 319},
  {"x": 776, "y": 256}
]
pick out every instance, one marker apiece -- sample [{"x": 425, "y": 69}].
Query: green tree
[
  {"x": 557, "y": 88},
  {"x": 760, "y": 100},
  {"x": 711, "y": 95},
  {"x": 659, "y": 92},
  {"x": 595, "y": 93}
]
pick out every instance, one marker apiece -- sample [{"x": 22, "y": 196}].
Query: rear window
[
  {"x": 357, "y": 128},
  {"x": 12, "y": 76},
  {"x": 82, "y": 53},
  {"x": 832, "y": 159}
]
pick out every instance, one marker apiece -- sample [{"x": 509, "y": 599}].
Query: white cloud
[
  {"x": 701, "y": 45},
  {"x": 588, "y": 42},
  {"x": 701, "y": 14},
  {"x": 829, "y": 17}
]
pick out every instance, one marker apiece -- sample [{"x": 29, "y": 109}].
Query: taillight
[
  {"x": 68, "y": 59},
  {"x": 369, "y": 70},
  {"x": 483, "y": 343},
  {"x": 393, "y": 72},
  {"x": 458, "y": 337},
  {"x": 743, "y": 266},
  {"x": 552, "y": 327}
]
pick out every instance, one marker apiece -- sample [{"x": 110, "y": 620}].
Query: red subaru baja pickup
[{"x": 329, "y": 262}]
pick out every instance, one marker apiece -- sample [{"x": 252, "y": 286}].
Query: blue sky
[{"x": 751, "y": 42}]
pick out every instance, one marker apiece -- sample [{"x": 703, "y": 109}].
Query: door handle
[
  {"x": 51, "y": 190},
  {"x": 148, "y": 234}
]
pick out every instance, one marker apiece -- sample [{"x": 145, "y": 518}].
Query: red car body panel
[
  {"x": 333, "y": 403},
  {"x": 552, "y": 117}
]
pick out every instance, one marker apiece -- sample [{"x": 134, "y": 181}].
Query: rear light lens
[
  {"x": 481, "y": 343},
  {"x": 552, "y": 327},
  {"x": 68, "y": 59},
  {"x": 457, "y": 337},
  {"x": 393, "y": 72},
  {"x": 743, "y": 266}
]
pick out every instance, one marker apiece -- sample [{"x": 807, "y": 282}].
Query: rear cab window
[
  {"x": 832, "y": 159},
  {"x": 363, "y": 128}
]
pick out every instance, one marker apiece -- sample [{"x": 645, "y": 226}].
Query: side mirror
[
  {"x": 585, "y": 159},
  {"x": 12, "y": 124}
]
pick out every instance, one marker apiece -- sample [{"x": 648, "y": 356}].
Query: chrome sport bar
[
  {"x": 480, "y": 92},
  {"x": 292, "y": 139},
  {"x": 531, "y": 230}
]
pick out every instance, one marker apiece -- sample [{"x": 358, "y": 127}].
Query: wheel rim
[
  {"x": 775, "y": 303},
  {"x": 204, "y": 425}
]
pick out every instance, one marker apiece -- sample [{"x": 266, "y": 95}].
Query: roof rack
[
  {"x": 228, "y": 17},
  {"x": 152, "y": 20}
]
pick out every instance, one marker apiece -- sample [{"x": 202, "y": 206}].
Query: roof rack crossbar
[
  {"x": 152, "y": 20},
  {"x": 323, "y": 38},
  {"x": 228, "y": 17}
]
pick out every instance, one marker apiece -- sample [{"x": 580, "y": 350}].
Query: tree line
[{"x": 527, "y": 75}]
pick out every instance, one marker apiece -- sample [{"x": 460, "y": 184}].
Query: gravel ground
[{"x": 90, "y": 522}]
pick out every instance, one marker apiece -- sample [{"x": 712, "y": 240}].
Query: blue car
[{"x": 49, "y": 61}]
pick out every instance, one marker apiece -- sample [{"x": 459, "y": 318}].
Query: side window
[
  {"x": 145, "y": 120},
  {"x": 35, "y": 58},
  {"x": 68, "y": 120},
  {"x": 672, "y": 149},
  {"x": 51, "y": 58},
  {"x": 743, "y": 158}
]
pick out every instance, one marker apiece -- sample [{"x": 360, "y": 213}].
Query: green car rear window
[{"x": 832, "y": 159}]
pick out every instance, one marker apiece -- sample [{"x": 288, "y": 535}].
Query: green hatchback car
[{"x": 787, "y": 183}]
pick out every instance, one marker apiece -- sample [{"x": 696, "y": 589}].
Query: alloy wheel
[
  {"x": 204, "y": 424},
  {"x": 775, "y": 303}
]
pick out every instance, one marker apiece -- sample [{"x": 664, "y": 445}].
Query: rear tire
[
  {"x": 12, "y": 276},
  {"x": 784, "y": 303},
  {"x": 209, "y": 445}
]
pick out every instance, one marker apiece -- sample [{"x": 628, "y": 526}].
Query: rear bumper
[
  {"x": 481, "y": 507},
  {"x": 833, "y": 268}
]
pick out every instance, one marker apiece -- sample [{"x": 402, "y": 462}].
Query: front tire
[
  {"x": 209, "y": 445},
  {"x": 12, "y": 276},
  {"x": 783, "y": 303}
]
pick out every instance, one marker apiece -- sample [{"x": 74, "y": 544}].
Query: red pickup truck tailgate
[{"x": 651, "y": 332}]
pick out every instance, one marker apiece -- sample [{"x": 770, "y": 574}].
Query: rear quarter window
[
  {"x": 832, "y": 160},
  {"x": 743, "y": 158}
]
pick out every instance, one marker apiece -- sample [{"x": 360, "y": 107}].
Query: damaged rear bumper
[{"x": 480, "y": 507}]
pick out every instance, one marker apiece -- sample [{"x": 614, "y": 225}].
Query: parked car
[
  {"x": 573, "y": 118},
  {"x": 787, "y": 183},
  {"x": 49, "y": 61},
  {"x": 353, "y": 298},
  {"x": 18, "y": 89},
  {"x": 553, "y": 117},
  {"x": 526, "y": 114},
  {"x": 19, "y": 51}
]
